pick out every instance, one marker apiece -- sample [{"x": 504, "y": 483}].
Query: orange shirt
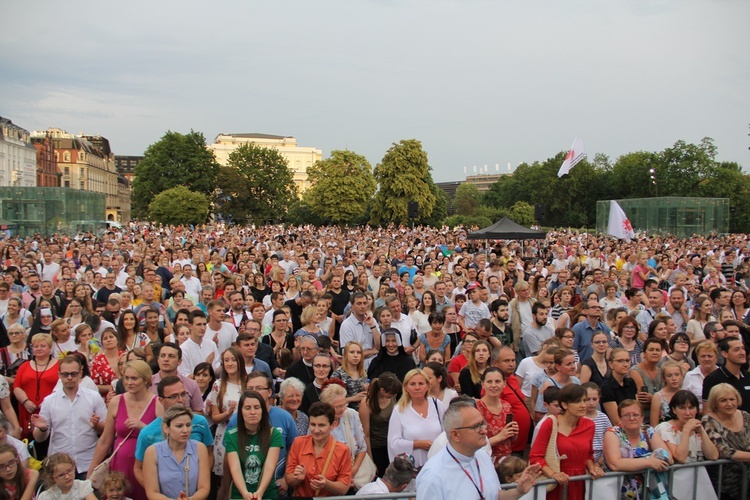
[{"x": 301, "y": 453}]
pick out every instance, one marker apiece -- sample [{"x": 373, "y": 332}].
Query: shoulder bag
[
  {"x": 367, "y": 469},
  {"x": 332, "y": 443},
  {"x": 101, "y": 470},
  {"x": 551, "y": 456}
]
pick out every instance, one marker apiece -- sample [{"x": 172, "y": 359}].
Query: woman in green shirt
[{"x": 253, "y": 449}]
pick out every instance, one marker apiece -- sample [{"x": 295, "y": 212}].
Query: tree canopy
[
  {"x": 342, "y": 188},
  {"x": 255, "y": 186},
  {"x": 179, "y": 206},
  {"x": 403, "y": 175},
  {"x": 175, "y": 159}
]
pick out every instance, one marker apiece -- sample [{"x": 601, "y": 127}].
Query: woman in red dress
[
  {"x": 575, "y": 436},
  {"x": 495, "y": 411},
  {"x": 35, "y": 380}
]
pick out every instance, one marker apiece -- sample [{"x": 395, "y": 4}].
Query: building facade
[
  {"x": 17, "y": 156},
  {"x": 126, "y": 166},
  {"x": 300, "y": 158},
  {"x": 47, "y": 173},
  {"x": 483, "y": 181},
  {"x": 87, "y": 163}
]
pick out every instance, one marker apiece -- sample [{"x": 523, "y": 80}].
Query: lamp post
[{"x": 652, "y": 175}]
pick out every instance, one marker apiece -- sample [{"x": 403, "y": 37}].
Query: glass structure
[
  {"x": 48, "y": 210},
  {"x": 680, "y": 217}
]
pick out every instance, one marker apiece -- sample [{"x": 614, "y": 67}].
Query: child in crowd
[
  {"x": 115, "y": 486},
  {"x": 551, "y": 407},
  {"x": 59, "y": 474},
  {"x": 601, "y": 420}
]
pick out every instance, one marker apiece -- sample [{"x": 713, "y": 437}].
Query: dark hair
[
  {"x": 19, "y": 480},
  {"x": 724, "y": 344},
  {"x": 496, "y": 304},
  {"x": 166, "y": 382},
  {"x": 436, "y": 316},
  {"x": 537, "y": 306},
  {"x": 264, "y": 427},
  {"x": 571, "y": 393},
  {"x": 319, "y": 409},
  {"x": 676, "y": 337},
  {"x": 593, "y": 386},
  {"x": 652, "y": 340},
  {"x": 205, "y": 367},
  {"x": 492, "y": 369},
  {"x": 122, "y": 335},
  {"x": 172, "y": 345},
  {"x": 680, "y": 399},
  {"x": 386, "y": 381},
  {"x": 196, "y": 314},
  {"x": 439, "y": 371},
  {"x": 551, "y": 394}
]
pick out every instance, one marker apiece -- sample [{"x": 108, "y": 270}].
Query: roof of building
[{"x": 257, "y": 136}]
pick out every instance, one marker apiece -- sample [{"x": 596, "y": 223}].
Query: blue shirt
[
  {"x": 152, "y": 434},
  {"x": 261, "y": 366},
  {"x": 283, "y": 421},
  {"x": 412, "y": 270},
  {"x": 584, "y": 333}
]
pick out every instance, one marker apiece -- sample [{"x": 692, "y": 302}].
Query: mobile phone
[
  {"x": 644, "y": 388},
  {"x": 508, "y": 418}
]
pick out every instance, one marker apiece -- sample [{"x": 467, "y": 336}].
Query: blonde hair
[
  {"x": 332, "y": 392},
  {"x": 42, "y": 337},
  {"x": 308, "y": 314},
  {"x": 141, "y": 368},
  {"x": 405, "y": 397},
  {"x": 717, "y": 392}
]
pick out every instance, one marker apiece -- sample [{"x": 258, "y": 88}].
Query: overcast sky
[{"x": 478, "y": 82}]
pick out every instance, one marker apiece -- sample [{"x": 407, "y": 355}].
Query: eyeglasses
[
  {"x": 175, "y": 397},
  {"x": 258, "y": 389},
  {"x": 9, "y": 465},
  {"x": 69, "y": 374},
  {"x": 569, "y": 337},
  {"x": 476, "y": 427},
  {"x": 15, "y": 333},
  {"x": 680, "y": 341},
  {"x": 67, "y": 473},
  {"x": 630, "y": 416}
]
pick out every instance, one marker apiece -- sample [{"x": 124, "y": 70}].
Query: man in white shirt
[
  {"x": 197, "y": 348},
  {"x": 48, "y": 268},
  {"x": 539, "y": 330},
  {"x": 72, "y": 418},
  {"x": 401, "y": 322},
  {"x": 362, "y": 327},
  {"x": 192, "y": 284},
  {"x": 462, "y": 469},
  {"x": 237, "y": 314},
  {"x": 397, "y": 477},
  {"x": 222, "y": 333}
]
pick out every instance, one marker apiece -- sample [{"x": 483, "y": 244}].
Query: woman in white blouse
[
  {"x": 416, "y": 421},
  {"x": 347, "y": 427}
]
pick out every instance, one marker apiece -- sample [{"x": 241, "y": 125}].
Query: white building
[
  {"x": 300, "y": 158},
  {"x": 17, "y": 156}
]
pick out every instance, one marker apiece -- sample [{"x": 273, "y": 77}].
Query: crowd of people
[{"x": 272, "y": 362}]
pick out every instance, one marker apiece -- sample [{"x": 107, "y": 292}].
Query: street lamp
[{"x": 652, "y": 175}]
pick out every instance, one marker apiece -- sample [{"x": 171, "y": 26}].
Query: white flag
[
  {"x": 576, "y": 154},
  {"x": 619, "y": 226}
]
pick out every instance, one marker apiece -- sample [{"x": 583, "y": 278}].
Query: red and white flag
[
  {"x": 576, "y": 154},
  {"x": 619, "y": 226}
]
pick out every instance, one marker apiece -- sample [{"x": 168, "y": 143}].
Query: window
[
  {"x": 66, "y": 156},
  {"x": 67, "y": 170},
  {"x": 67, "y": 184},
  {"x": 57, "y": 156}
]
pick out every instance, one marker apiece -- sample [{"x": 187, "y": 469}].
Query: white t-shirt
[{"x": 527, "y": 369}]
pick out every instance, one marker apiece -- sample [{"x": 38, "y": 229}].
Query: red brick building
[{"x": 47, "y": 172}]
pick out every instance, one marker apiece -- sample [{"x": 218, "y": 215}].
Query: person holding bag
[
  {"x": 347, "y": 428},
  {"x": 122, "y": 427},
  {"x": 318, "y": 465},
  {"x": 569, "y": 438}
]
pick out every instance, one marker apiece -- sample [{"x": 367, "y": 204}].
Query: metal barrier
[{"x": 539, "y": 492}]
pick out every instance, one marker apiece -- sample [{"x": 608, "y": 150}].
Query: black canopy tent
[{"x": 506, "y": 229}]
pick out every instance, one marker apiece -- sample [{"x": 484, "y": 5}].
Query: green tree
[
  {"x": 179, "y": 206},
  {"x": 175, "y": 159},
  {"x": 467, "y": 199},
  {"x": 342, "y": 187},
  {"x": 256, "y": 185},
  {"x": 522, "y": 213},
  {"x": 403, "y": 175}
]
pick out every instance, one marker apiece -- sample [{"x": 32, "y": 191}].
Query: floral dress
[
  {"x": 495, "y": 425},
  {"x": 633, "y": 485},
  {"x": 101, "y": 371},
  {"x": 232, "y": 393},
  {"x": 353, "y": 385},
  {"x": 728, "y": 443}
]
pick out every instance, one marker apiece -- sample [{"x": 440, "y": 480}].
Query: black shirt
[
  {"x": 613, "y": 392},
  {"x": 721, "y": 375},
  {"x": 296, "y": 310}
]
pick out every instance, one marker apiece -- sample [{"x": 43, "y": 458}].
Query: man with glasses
[
  {"x": 462, "y": 469},
  {"x": 171, "y": 392},
  {"x": 303, "y": 369},
  {"x": 586, "y": 329},
  {"x": 71, "y": 418},
  {"x": 279, "y": 418}
]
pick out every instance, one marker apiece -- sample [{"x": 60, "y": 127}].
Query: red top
[{"x": 512, "y": 395}]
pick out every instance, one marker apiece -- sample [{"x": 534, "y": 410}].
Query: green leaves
[
  {"x": 179, "y": 206},
  {"x": 342, "y": 188},
  {"x": 256, "y": 186},
  {"x": 176, "y": 159}
]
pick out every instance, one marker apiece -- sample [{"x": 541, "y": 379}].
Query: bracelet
[
  {"x": 24, "y": 401},
  {"x": 42, "y": 430}
]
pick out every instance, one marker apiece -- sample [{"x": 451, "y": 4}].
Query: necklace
[{"x": 39, "y": 374}]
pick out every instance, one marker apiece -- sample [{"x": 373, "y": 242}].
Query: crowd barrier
[{"x": 693, "y": 486}]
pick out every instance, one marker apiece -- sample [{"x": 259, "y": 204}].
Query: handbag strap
[
  {"x": 349, "y": 439},
  {"x": 332, "y": 444},
  {"x": 131, "y": 430},
  {"x": 440, "y": 420}
]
